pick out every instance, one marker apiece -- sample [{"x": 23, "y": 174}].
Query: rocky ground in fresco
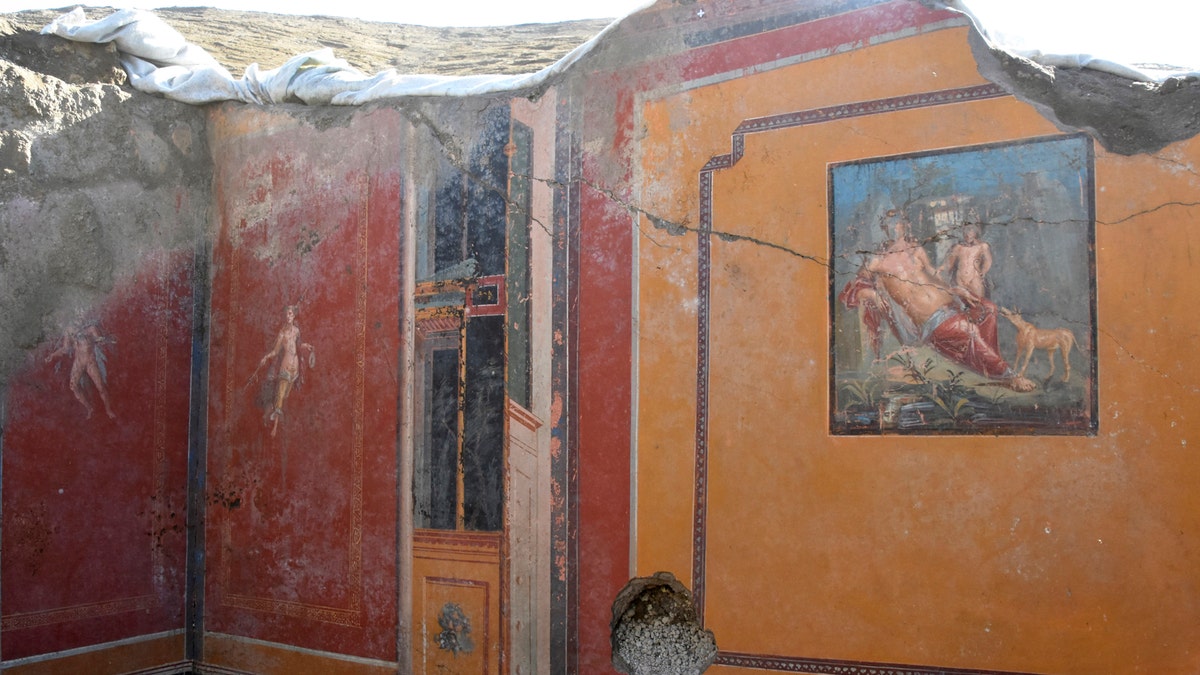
[{"x": 237, "y": 39}]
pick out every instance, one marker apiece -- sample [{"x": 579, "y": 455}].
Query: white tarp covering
[
  {"x": 160, "y": 61},
  {"x": 1017, "y": 45}
]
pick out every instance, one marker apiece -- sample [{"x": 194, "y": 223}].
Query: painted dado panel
[
  {"x": 456, "y": 597},
  {"x": 302, "y": 495},
  {"x": 1000, "y": 537},
  {"x": 95, "y": 461}
]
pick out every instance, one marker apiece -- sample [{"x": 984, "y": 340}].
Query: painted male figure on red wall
[{"x": 83, "y": 342}]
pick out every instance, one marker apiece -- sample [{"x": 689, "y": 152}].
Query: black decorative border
[
  {"x": 776, "y": 22},
  {"x": 564, "y": 472},
  {"x": 703, "y": 359},
  {"x": 197, "y": 474},
  {"x": 703, "y": 325}
]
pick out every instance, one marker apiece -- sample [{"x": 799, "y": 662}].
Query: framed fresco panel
[{"x": 962, "y": 287}]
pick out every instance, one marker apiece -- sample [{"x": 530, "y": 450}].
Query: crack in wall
[
  {"x": 1183, "y": 166},
  {"x": 1144, "y": 212},
  {"x": 676, "y": 228},
  {"x": 1190, "y": 388},
  {"x": 455, "y": 155}
]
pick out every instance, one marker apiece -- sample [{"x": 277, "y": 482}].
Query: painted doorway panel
[
  {"x": 456, "y": 594},
  {"x": 459, "y": 401}
]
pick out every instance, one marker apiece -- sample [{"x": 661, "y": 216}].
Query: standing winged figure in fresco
[
  {"x": 968, "y": 263},
  {"x": 84, "y": 343},
  {"x": 899, "y": 287},
  {"x": 285, "y": 354}
]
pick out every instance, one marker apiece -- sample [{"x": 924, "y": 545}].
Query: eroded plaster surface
[{"x": 94, "y": 178}]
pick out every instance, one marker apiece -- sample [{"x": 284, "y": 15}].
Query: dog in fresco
[{"x": 1030, "y": 337}]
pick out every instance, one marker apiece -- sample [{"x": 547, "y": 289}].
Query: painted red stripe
[{"x": 605, "y": 358}]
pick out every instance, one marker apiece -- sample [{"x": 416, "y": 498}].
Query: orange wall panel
[
  {"x": 1021, "y": 553},
  {"x": 457, "y": 588}
]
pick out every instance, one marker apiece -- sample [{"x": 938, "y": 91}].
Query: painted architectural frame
[{"x": 962, "y": 291}]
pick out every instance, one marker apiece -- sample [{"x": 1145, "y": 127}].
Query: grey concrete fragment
[
  {"x": 656, "y": 631},
  {"x": 1126, "y": 116}
]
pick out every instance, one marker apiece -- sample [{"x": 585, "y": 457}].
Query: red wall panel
[
  {"x": 605, "y": 353},
  {"x": 94, "y": 522},
  {"x": 302, "y": 510}
]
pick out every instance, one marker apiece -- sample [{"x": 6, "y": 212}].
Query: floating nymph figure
[
  {"x": 84, "y": 343},
  {"x": 285, "y": 354}
]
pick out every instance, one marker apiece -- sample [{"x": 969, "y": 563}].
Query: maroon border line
[
  {"x": 703, "y": 292},
  {"x": 837, "y": 667}
]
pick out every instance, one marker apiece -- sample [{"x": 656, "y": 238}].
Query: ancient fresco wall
[
  {"x": 360, "y": 394},
  {"x": 95, "y": 457},
  {"x": 742, "y": 298},
  {"x": 530, "y": 496},
  {"x": 303, "y": 380},
  {"x": 103, "y": 202},
  {"x": 1027, "y": 523},
  {"x": 463, "y": 222}
]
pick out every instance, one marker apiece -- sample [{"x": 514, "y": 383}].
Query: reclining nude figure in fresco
[
  {"x": 287, "y": 371},
  {"x": 900, "y": 287}
]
